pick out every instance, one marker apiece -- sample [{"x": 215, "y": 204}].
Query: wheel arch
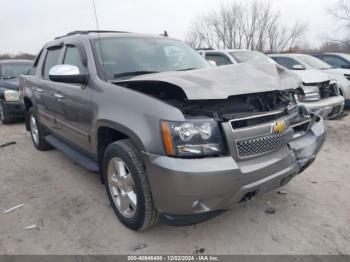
[
  {"x": 27, "y": 103},
  {"x": 107, "y": 132}
]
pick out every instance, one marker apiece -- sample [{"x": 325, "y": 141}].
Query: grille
[{"x": 264, "y": 144}]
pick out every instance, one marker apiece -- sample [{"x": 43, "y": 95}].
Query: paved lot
[{"x": 73, "y": 216}]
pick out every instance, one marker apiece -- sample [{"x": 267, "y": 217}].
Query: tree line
[
  {"x": 257, "y": 25},
  {"x": 254, "y": 24},
  {"x": 17, "y": 56}
]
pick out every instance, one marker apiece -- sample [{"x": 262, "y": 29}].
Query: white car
[
  {"x": 306, "y": 62},
  {"x": 321, "y": 94}
]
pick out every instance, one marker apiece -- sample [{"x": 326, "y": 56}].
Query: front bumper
[
  {"x": 13, "y": 109},
  {"x": 328, "y": 107},
  {"x": 191, "y": 190}
]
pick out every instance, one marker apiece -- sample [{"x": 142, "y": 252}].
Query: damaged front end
[{"x": 229, "y": 146}]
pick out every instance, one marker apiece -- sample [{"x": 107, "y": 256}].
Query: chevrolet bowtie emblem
[{"x": 279, "y": 127}]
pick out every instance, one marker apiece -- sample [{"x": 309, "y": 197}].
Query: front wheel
[
  {"x": 127, "y": 186},
  {"x": 4, "y": 118}
]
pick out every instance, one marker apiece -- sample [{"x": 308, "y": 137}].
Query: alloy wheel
[{"x": 122, "y": 187}]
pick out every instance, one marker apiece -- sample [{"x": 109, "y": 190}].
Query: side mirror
[
  {"x": 213, "y": 63},
  {"x": 67, "y": 74},
  {"x": 298, "y": 67}
]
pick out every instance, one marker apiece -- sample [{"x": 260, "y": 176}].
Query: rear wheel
[
  {"x": 37, "y": 132},
  {"x": 127, "y": 186},
  {"x": 4, "y": 118}
]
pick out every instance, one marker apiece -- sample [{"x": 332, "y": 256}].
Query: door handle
[{"x": 59, "y": 96}]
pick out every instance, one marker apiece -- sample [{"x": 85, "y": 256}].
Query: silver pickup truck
[{"x": 173, "y": 138}]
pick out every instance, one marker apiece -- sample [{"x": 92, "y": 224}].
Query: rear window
[
  {"x": 51, "y": 60},
  {"x": 251, "y": 57},
  {"x": 287, "y": 62}
]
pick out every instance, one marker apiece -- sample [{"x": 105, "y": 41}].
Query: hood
[
  {"x": 339, "y": 75},
  {"x": 10, "y": 84},
  {"x": 222, "y": 82},
  {"x": 312, "y": 76},
  {"x": 338, "y": 71}
]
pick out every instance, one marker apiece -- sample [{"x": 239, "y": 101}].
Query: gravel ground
[{"x": 71, "y": 210}]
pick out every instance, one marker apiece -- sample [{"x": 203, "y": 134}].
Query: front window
[
  {"x": 314, "y": 62},
  {"x": 124, "y": 57},
  {"x": 14, "y": 70},
  {"x": 251, "y": 57}
]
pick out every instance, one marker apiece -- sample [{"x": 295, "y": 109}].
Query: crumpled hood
[
  {"x": 312, "y": 76},
  {"x": 9, "y": 84},
  {"x": 222, "y": 82}
]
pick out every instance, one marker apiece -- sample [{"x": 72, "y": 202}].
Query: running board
[{"x": 76, "y": 156}]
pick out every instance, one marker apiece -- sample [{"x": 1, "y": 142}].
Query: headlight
[
  {"x": 193, "y": 138},
  {"x": 308, "y": 94},
  {"x": 11, "y": 96}
]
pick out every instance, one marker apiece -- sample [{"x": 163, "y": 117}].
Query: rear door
[
  {"x": 44, "y": 90},
  {"x": 75, "y": 113}
]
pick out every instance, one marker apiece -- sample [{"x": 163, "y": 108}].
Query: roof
[
  {"x": 94, "y": 34},
  {"x": 223, "y": 50},
  {"x": 15, "y": 61},
  {"x": 87, "y": 32},
  {"x": 287, "y": 55}
]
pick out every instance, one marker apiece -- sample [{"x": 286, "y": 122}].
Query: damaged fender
[{"x": 307, "y": 146}]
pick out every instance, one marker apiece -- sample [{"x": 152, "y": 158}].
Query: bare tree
[
  {"x": 17, "y": 56},
  {"x": 342, "y": 11},
  {"x": 250, "y": 24}
]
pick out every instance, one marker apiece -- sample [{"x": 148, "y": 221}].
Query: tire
[
  {"x": 132, "y": 184},
  {"x": 37, "y": 132},
  {"x": 4, "y": 118}
]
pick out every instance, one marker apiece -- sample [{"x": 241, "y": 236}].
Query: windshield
[
  {"x": 251, "y": 57},
  {"x": 124, "y": 57},
  {"x": 13, "y": 70},
  {"x": 314, "y": 62}
]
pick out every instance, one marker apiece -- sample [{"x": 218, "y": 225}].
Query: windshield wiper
[
  {"x": 134, "y": 73},
  {"x": 9, "y": 77},
  {"x": 187, "y": 69}
]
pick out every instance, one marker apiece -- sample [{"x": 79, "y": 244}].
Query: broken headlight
[
  {"x": 193, "y": 138},
  {"x": 308, "y": 94}
]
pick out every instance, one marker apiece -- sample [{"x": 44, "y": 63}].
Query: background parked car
[
  {"x": 337, "y": 60},
  {"x": 10, "y": 105},
  {"x": 321, "y": 94},
  {"x": 307, "y": 62},
  {"x": 234, "y": 56}
]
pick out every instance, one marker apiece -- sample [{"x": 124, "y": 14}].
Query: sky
[{"x": 26, "y": 25}]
